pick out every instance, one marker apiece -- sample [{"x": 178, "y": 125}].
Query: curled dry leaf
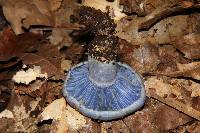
[
  {"x": 25, "y": 13},
  {"x": 145, "y": 7},
  {"x": 165, "y": 9},
  {"x": 164, "y": 31}
]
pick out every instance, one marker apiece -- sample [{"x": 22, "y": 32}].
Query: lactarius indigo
[{"x": 102, "y": 88}]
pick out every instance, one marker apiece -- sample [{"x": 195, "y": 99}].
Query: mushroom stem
[{"x": 102, "y": 73}]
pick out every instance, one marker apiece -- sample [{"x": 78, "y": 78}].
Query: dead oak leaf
[
  {"x": 12, "y": 45},
  {"x": 48, "y": 58},
  {"x": 25, "y": 13}
]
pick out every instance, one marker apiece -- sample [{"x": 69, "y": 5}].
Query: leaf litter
[{"x": 158, "y": 38}]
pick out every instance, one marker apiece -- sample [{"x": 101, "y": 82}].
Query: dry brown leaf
[
  {"x": 145, "y": 7},
  {"x": 173, "y": 87},
  {"x": 63, "y": 114},
  {"x": 167, "y": 118},
  {"x": 179, "y": 93},
  {"x": 30, "y": 89},
  {"x": 191, "y": 70},
  {"x": 189, "y": 45},
  {"x": 163, "y": 31},
  {"x": 169, "y": 57},
  {"x": 63, "y": 26},
  {"x": 165, "y": 9},
  {"x": 55, "y": 4},
  {"x": 51, "y": 91},
  {"x": 25, "y": 13},
  {"x": 143, "y": 58},
  {"x": 74, "y": 52},
  {"x": 48, "y": 58},
  {"x": 22, "y": 122},
  {"x": 54, "y": 110},
  {"x": 47, "y": 91},
  {"x": 62, "y": 16},
  {"x": 154, "y": 118},
  {"x": 13, "y": 46},
  {"x": 148, "y": 57}
]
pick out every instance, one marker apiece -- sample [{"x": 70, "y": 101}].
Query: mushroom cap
[{"x": 123, "y": 97}]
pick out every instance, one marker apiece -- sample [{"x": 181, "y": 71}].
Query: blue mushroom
[
  {"x": 104, "y": 91},
  {"x": 102, "y": 88}
]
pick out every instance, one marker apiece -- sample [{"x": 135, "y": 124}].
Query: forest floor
[{"x": 39, "y": 43}]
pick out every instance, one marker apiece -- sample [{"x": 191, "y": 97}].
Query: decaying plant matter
[{"x": 40, "y": 40}]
